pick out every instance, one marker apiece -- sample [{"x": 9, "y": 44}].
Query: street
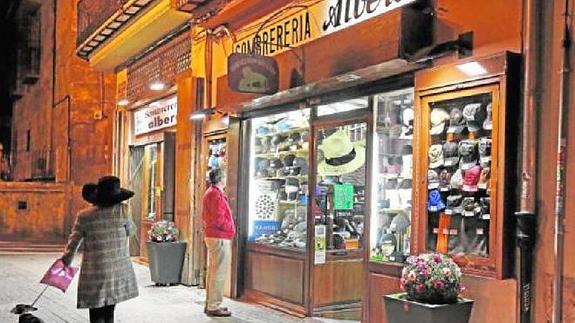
[{"x": 20, "y": 274}]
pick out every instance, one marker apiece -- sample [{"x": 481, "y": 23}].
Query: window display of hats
[{"x": 474, "y": 114}]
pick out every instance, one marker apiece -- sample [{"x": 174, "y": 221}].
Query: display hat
[
  {"x": 456, "y": 179},
  {"x": 294, "y": 138},
  {"x": 278, "y": 139},
  {"x": 276, "y": 163},
  {"x": 341, "y": 156},
  {"x": 106, "y": 192},
  {"x": 434, "y": 202},
  {"x": 454, "y": 204},
  {"x": 288, "y": 160},
  {"x": 485, "y": 203},
  {"x": 456, "y": 121},
  {"x": 468, "y": 154},
  {"x": 302, "y": 164},
  {"x": 444, "y": 180},
  {"x": 450, "y": 154},
  {"x": 470, "y": 207},
  {"x": 432, "y": 179},
  {"x": 438, "y": 118},
  {"x": 474, "y": 114},
  {"x": 484, "y": 177},
  {"x": 484, "y": 148},
  {"x": 471, "y": 178},
  {"x": 435, "y": 156},
  {"x": 488, "y": 123},
  {"x": 400, "y": 223},
  {"x": 264, "y": 130}
]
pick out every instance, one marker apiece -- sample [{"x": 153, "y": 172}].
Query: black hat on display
[
  {"x": 276, "y": 163},
  {"x": 474, "y": 114},
  {"x": 485, "y": 203},
  {"x": 288, "y": 160},
  {"x": 294, "y": 138},
  {"x": 292, "y": 187},
  {"x": 484, "y": 148},
  {"x": 407, "y": 150},
  {"x": 437, "y": 119},
  {"x": 454, "y": 204},
  {"x": 444, "y": 180},
  {"x": 106, "y": 192},
  {"x": 470, "y": 207},
  {"x": 278, "y": 139},
  {"x": 450, "y": 154},
  {"x": 456, "y": 121},
  {"x": 432, "y": 179},
  {"x": 468, "y": 154},
  {"x": 302, "y": 164}
]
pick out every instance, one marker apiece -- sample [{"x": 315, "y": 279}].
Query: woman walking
[{"x": 106, "y": 276}]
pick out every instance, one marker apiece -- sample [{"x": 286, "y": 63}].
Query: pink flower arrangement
[
  {"x": 431, "y": 278},
  {"x": 163, "y": 231}
]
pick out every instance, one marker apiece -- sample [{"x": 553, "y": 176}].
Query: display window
[
  {"x": 278, "y": 187},
  {"x": 458, "y": 175},
  {"x": 392, "y": 177}
]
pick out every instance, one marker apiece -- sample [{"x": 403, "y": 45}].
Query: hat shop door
[{"x": 338, "y": 210}]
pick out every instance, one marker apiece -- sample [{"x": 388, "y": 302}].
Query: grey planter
[
  {"x": 400, "y": 310},
  {"x": 166, "y": 261}
]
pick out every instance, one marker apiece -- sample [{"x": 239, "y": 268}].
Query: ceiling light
[
  {"x": 157, "y": 86},
  {"x": 201, "y": 114},
  {"x": 123, "y": 102},
  {"x": 472, "y": 69}
]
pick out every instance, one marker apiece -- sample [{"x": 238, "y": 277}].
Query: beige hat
[
  {"x": 438, "y": 118},
  {"x": 341, "y": 156}
]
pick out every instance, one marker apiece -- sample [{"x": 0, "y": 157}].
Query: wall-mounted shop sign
[
  {"x": 307, "y": 21},
  {"x": 252, "y": 74},
  {"x": 157, "y": 115}
]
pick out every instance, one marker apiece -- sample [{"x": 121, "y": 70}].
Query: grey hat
[
  {"x": 432, "y": 179},
  {"x": 456, "y": 121},
  {"x": 450, "y": 154},
  {"x": 454, "y": 205},
  {"x": 474, "y": 114},
  {"x": 468, "y": 154},
  {"x": 435, "y": 156}
]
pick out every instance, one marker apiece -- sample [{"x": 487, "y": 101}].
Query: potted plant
[
  {"x": 166, "y": 253},
  {"x": 431, "y": 284}
]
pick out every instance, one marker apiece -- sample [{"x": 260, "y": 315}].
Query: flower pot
[
  {"x": 166, "y": 261},
  {"x": 401, "y": 310}
]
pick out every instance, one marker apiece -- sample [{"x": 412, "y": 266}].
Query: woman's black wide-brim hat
[{"x": 106, "y": 192}]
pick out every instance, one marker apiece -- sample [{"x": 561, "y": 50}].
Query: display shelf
[
  {"x": 297, "y": 152},
  {"x": 287, "y": 132},
  {"x": 299, "y": 177}
]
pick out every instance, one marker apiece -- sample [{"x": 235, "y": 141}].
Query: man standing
[{"x": 219, "y": 230}]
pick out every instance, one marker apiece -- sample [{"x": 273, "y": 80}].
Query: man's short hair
[{"x": 216, "y": 175}]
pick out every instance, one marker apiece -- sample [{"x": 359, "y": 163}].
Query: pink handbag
[{"x": 59, "y": 276}]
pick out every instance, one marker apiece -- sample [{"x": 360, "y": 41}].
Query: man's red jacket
[{"x": 217, "y": 215}]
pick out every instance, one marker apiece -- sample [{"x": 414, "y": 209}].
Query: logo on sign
[
  {"x": 252, "y": 74},
  {"x": 344, "y": 13}
]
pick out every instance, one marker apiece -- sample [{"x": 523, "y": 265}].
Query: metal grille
[{"x": 161, "y": 64}]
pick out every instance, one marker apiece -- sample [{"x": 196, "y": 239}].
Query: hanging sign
[
  {"x": 252, "y": 74},
  {"x": 157, "y": 115},
  {"x": 307, "y": 21},
  {"x": 320, "y": 245}
]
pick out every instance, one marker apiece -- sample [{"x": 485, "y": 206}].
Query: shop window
[
  {"x": 392, "y": 180},
  {"x": 32, "y": 44},
  {"x": 279, "y": 180},
  {"x": 153, "y": 183}
]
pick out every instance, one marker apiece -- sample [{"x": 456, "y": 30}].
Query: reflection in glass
[
  {"x": 152, "y": 152},
  {"x": 392, "y": 180}
]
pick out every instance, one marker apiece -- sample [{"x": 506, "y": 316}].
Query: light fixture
[
  {"x": 157, "y": 86},
  {"x": 201, "y": 114},
  {"x": 472, "y": 69},
  {"x": 123, "y": 102}
]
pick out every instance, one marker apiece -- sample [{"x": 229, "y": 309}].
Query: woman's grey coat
[{"x": 106, "y": 274}]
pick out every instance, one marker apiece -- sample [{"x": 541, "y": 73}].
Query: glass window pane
[
  {"x": 340, "y": 192},
  {"x": 392, "y": 180},
  {"x": 459, "y": 162},
  {"x": 278, "y": 193},
  {"x": 343, "y": 106}
]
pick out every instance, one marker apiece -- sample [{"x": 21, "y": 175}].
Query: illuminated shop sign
[
  {"x": 157, "y": 115},
  {"x": 308, "y": 21}
]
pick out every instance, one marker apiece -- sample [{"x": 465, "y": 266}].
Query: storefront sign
[
  {"x": 157, "y": 115},
  {"x": 309, "y": 20},
  {"x": 252, "y": 74},
  {"x": 320, "y": 245}
]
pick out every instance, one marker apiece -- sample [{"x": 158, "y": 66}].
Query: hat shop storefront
[
  {"x": 146, "y": 128},
  {"x": 357, "y": 169}
]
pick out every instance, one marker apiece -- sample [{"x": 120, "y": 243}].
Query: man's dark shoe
[
  {"x": 206, "y": 309},
  {"x": 220, "y": 312}
]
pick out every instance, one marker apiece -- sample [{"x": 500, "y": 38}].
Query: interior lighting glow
[{"x": 472, "y": 69}]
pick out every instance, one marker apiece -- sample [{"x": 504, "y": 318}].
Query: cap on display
[
  {"x": 432, "y": 179},
  {"x": 471, "y": 179},
  {"x": 450, "y": 154},
  {"x": 444, "y": 180},
  {"x": 468, "y": 154},
  {"x": 437, "y": 119},
  {"x": 435, "y": 203},
  {"x": 454, "y": 204},
  {"x": 457, "y": 179},
  {"x": 474, "y": 114},
  {"x": 488, "y": 123},
  {"x": 456, "y": 121},
  {"x": 435, "y": 156}
]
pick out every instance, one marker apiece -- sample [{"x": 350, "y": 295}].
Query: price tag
[
  {"x": 435, "y": 230},
  {"x": 445, "y": 231},
  {"x": 453, "y": 232},
  {"x": 486, "y": 216},
  {"x": 469, "y": 213},
  {"x": 480, "y": 231},
  {"x": 482, "y": 186},
  {"x": 448, "y": 211},
  {"x": 444, "y": 189}
]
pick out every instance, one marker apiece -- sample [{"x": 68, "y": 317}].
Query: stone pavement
[{"x": 20, "y": 274}]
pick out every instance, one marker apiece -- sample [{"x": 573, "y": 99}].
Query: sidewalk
[{"x": 20, "y": 274}]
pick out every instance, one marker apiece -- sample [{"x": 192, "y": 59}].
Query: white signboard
[
  {"x": 157, "y": 115},
  {"x": 320, "y": 245}
]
